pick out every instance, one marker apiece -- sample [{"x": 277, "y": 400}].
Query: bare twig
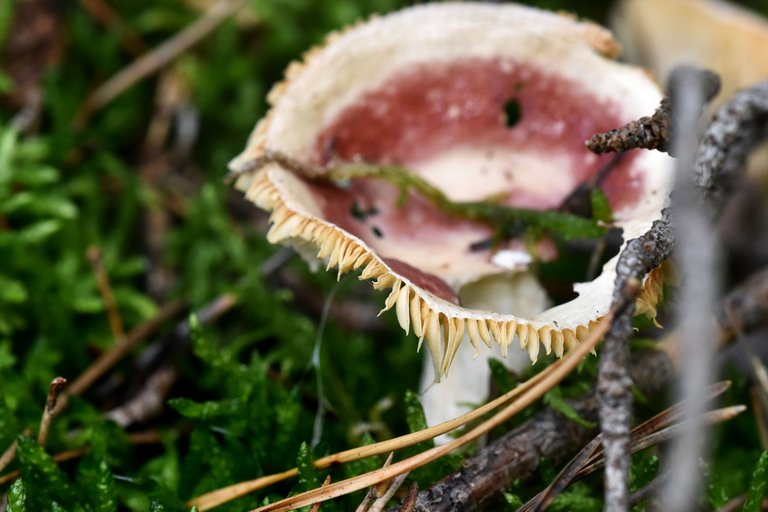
[
  {"x": 56, "y": 386},
  {"x": 368, "y": 498},
  {"x": 409, "y": 503},
  {"x": 109, "y": 359},
  {"x": 613, "y": 387},
  {"x": 651, "y": 489},
  {"x": 107, "y": 16},
  {"x": 10, "y": 453},
  {"x": 59, "y": 457},
  {"x": 45, "y": 422},
  {"x": 387, "y": 495},
  {"x": 736, "y": 129},
  {"x": 160, "y": 56},
  {"x": 148, "y": 402},
  {"x": 157, "y": 362},
  {"x": 698, "y": 258},
  {"x": 746, "y": 305},
  {"x": 136, "y": 438},
  {"x": 156, "y": 164},
  {"x": 757, "y": 397},
  {"x": 316, "y": 506},
  {"x": 649, "y": 132},
  {"x": 375, "y": 491},
  {"x": 93, "y": 254}
]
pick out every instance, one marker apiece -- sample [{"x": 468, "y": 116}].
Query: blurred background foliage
[{"x": 138, "y": 185}]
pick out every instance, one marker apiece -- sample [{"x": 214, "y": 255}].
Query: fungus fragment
[{"x": 478, "y": 101}]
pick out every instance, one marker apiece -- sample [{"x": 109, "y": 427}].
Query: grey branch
[
  {"x": 613, "y": 388},
  {"x": 698, "y": 260},
  {"x": 735, "y": 130}
]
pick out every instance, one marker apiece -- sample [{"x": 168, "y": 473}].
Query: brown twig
[
  {"x": 109, "y": 359},
  {"x": 648, "y": 132},
  {"x": 316, "y": 506},
  {"x": 159, "y": 57},
  {"x": 136, "y": 438},
  {"x": 409, "y": 503},
  {"x": 757, "y": 397},
  {"x": 59, "y": 457},
  {"x": 157, "y": 362},
  {"x": 93, "y": 254},
  {"x": 148, "y": 402},
  {"x": 156, "y": 164},
  {"x": 45, "y": 422},
  {"x": 10, "y": 453},
  {"x": 107, "y": 16},
  {"x": 613, "y": 384},
  {"x": 56, "y": 386}
]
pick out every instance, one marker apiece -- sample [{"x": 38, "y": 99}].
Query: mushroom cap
[
  {"x": 426, "y": 88},
  {"x": 721, "y": 36},
  {"x": 718, "y": 35}
]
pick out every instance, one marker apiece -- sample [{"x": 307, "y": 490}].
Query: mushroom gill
[{"x": 478, "y": 101}]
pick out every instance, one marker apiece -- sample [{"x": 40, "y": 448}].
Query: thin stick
[
  {"x": 409, "y": 503},
  {"x": 161, "y": 56},
  {"x": 578, "y": 468},
  {"x": 613, "y": 385},
  {"x": 136, "y": 438},
  {"x": 382, "y": 500},
  {"x": 56, "y": 386},
  {"x": 372, "y": 492},
  {"x": 316, "y": 506},
  {"x": 150, "y": 397},
  {"x": 10, "y": 453},
  {"x": 109, "y": 359},
  {"x": 59, "y": 457},
  {"x": 107, "y": 16},
  {"x": 698, "y": 258},
  {"x": 93, "y": 254}
]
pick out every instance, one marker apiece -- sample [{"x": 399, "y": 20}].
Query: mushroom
[
  {"x": 476, "y": 101},
  {"x": 721, "y": 36}
]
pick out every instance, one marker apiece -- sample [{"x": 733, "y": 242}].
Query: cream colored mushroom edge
[{"x": 427, "y": 89}]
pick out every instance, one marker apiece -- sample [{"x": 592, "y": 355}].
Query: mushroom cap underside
[{"x": 430, "y": 89}]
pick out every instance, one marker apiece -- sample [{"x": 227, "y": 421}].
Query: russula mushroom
[
  {"x": 722, "y": 36},
  {"x": 478, "y": 101}
]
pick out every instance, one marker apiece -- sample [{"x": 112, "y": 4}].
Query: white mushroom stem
[{"x": 467, "y": 384}]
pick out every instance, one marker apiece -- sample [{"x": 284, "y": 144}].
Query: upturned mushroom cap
[{"x": 426, "y": 88}]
